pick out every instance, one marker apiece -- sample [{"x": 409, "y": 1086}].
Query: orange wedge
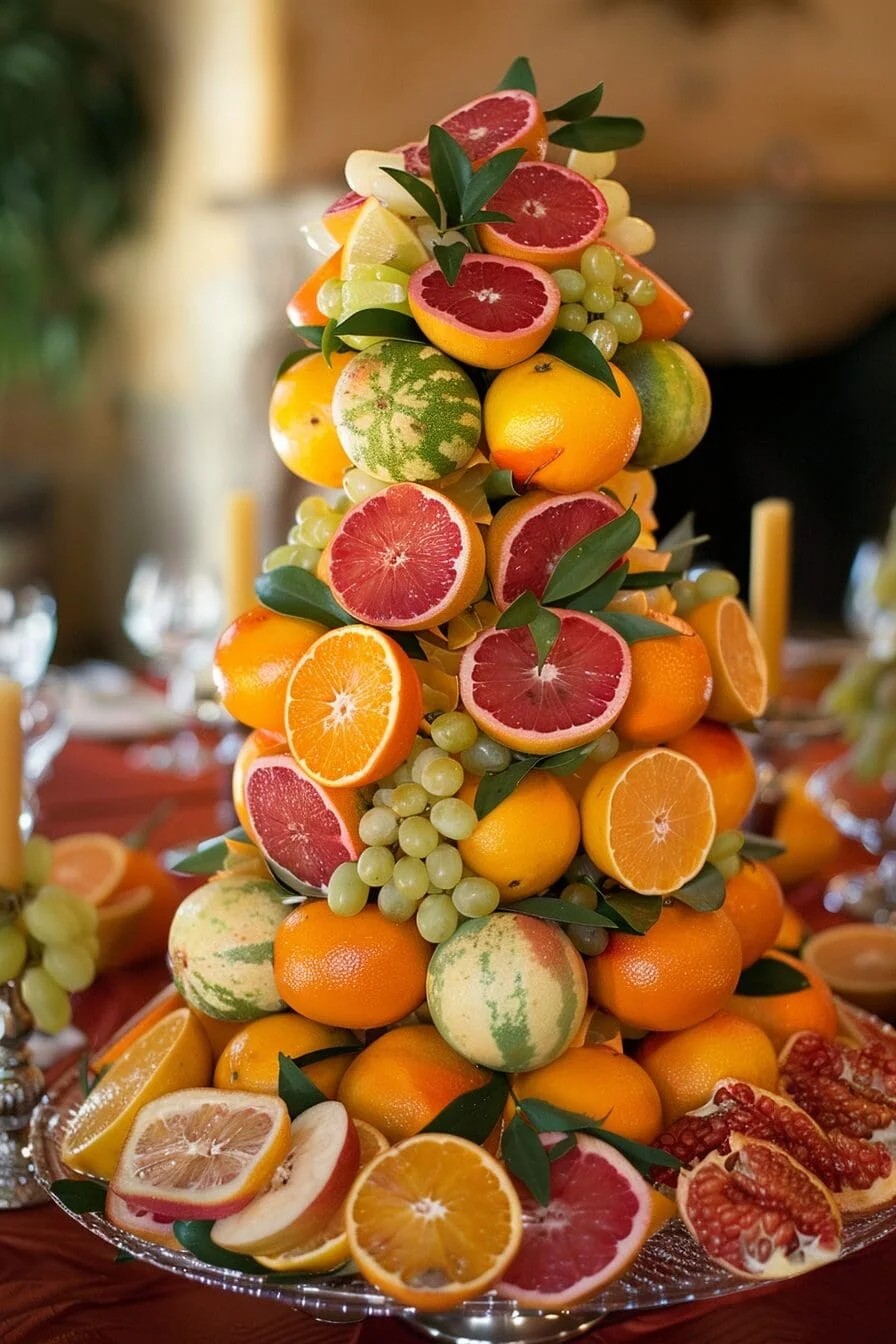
[
  {"x": 119, "y": 919},
  {"x": 165, "y": 1002},
  {"x": 739, "y": 673},
  {"x": 648, "y": 819},
  {"x": 93, "y": 865},
  {"x": 433, "y": 1221},
  {"x": 173, "y": 1054},
  {"x": 353, "y": 707},
  {"x": 142, "y": 1224}
]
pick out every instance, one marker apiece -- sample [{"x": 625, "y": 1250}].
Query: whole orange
[
  {"x": 681, "y": 971},
  {"x": 301, "y": 420},
  {"x": 754, "y": 903},
  {"x": 671, "y": 685},
  {"x": 727, "y": 763},
  {"x": 528, "y": 841},
  {"x": 557, "y": 428},
  {"x": 780, "y": 1015},
  {"x": 254, "y": 660},
  {"x": 686, "y": 1065},
  {"x": 792, "y": 931},
  {"x": 249, "y": 1062},
  {"x": 359, "y": 972},
  {"x": 401, "y": 1081},
  {"x": 302, "y": 309},
  {"x": 260, "y": 742},
  {"x": 602, "y": 1083},
  {"x": 812, "y": 841}
]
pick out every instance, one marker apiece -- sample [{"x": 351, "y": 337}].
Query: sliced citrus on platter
[
  {"x": 93, "y": 865},
  {"x": 140, "y": 1223},
  {"x": 303, "y": 829},
  {"x": 554, "y": 215},
  {"x": 739, "y": 673}
]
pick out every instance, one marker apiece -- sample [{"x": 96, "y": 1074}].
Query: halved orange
[
  {"x": 739, "y": 673},
  {"x": 118, "y": 922},
  {"x": 93, "y": 865},
  {"x": 353, "y": 707},
  {"x": 163, "y": 1003},
  {"x": 433, "y": 1221},
  {"x": 648, "y": 819}
]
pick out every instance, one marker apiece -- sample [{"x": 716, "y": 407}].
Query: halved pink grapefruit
[
  {"x": 555, "y": 215},
  {"x": 578, "y": 693},
  {"x": 528, "y": 536},
  {"x": 303, "y": 829},
  {"x": 509, "y": 119},
  {"x": 597, "y": 1220},
  {"x": 496, "y": 313},
  {"x": 406, "y": 559}
]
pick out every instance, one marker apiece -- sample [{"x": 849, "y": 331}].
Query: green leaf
[
  {"x": 498, "y": 485},
  {"x": 581, "y": 106},
  {"x": 421, "y": 191},
  {"x": 654, "y": 578},
  {"x": 559, "y": 911},
  {"x": 313, "y": 335},
  {"x": 451, "y": 171},
  {"x": 385, "y": 322},
  {"x": 487, "y": 180},
  {"x": 472, "y": 1115},
  {"x": 524, "y": 1155},
  {"x": 519, "y": 76},
  {"x": 122, "y": 1256},
  {"x": 295, "y": 1088},
  {"x": 642, "y": 1157},
  {"x": 194, "y": 1234},
  {"x": 488, "y": 217},
  {"x": 210, "y": 855},
  {"x": 598, "y": 595},
  {"x": 705, "y": 892},
  {"x": 544, "y": 625},
  {"x": 640, "y": 913},
  {"x": 561, "y": 1148},
  {"x": 564, "y": 762},
  {"x": 634, "y": 628},
  {"x": 292, "y": 591},
  {"x": 450, "y": 257},
  {"x": 493, "y": 789},
  {"x": 521, "y": 611},
  {"x": 330, "y": 343},
  {"x": 597, "y": 134},
  {"x": 88, "y": 1083},
  {"x": 583, "y": 564},
  {"x": 548, "y": 1118},
  {"x": 760, "y": 847},
  {"x": 80, "y": 1196},
  {"x": 577, "y": 351},
  {"x": 293, "y": 358},
  {"x": 768, "y": 976},
  {"x": 682, "y": 541},
  {"x": 327, "y": 1052}
]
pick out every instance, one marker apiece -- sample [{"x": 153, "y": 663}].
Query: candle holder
[{"x": 21, "y": 1087}]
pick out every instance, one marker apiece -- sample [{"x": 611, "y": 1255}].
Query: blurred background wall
[{"x": 769, "y": 171}]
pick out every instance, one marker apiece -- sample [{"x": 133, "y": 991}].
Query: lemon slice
[{"x": 379, "y": 238}]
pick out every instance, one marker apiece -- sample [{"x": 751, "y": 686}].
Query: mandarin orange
[
  {"x": 602, "y": 1083},
  {"x": 754, "y": 903},
  {"x": 728, "y": 764},
  {"x": 686, "y": 1065},
  {"x": 254, "y": 660},
  {"x": 780, "y": 1015},
  {"x": 671, "y": 685}
]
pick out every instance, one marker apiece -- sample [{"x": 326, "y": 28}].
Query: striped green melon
[
  {"x": 221, "y": 947},
  {"x": 507, "y": 991},
  {"x": 406, "y": 412}
]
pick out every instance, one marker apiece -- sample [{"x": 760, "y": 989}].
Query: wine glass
[{"x": 863, "y": 810}]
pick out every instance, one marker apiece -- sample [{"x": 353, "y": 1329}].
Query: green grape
[
  {"x": 617, "y": 199},
  {"x": 598, "y": 265},
  {"x": 885, "y": 691},
  {"x": 92, "y": 943},
  {"x": 417, "y": 837},
  {"x": 72, "y": 966},
  {"x": 580, "y": 893},
  {"x": 603, "y": 334},
  {"x": 571, "y": 285},
  {"x": 641, "y": 292},
  {"x": 402, "y": 775},
  {"x": 436, "y": 918},
  {"x": 50, "y": 919},
  {"x": 38, "y": 861},
  {"x": 13, "y": 951},
  {"x": 280, "y": 555},
  {"x": 582, "y": 867},
  {"x": 375, "y": 865},
  {"x": 409, "y": 800},
  {"x": 424, "y": 758},
  {"x": 589, "y": 939},
  {"x": 359, "y": 486},
  {"x": 312, "y": 506},
  {"x": 47, "y": 1001},
  {"x": 725, "y": 845},
  {"x": 444, "y": 866},
  {"x": 346, "y": 893},
  {"x": 329, "y": 298},
  {"x": 454, "y": 819},
  {"x": 635, "y": 236},
  {"x": 318, "y": 531},
  {"x": 383, "y": 798},
  {"x": 485, "y": 757},
  {"x": 379, "y": 826},
  {"x": 729, "y": 867},
  {"x": 394, "y": 905},
  {"x": 605, "y": 747},
  {"x": 454, "y": 732},
  {"x": 476, "y": 896},
  {"x": 599, "y": 298},
  {"x": 572, "y": 317},
  {"x": 85, "y": 912},
  {"x": 410, "y": 877},
  {"x": 626, "y": 320},
  {"x": 686, "y": 597},
  {"x": 442, "y": 778},
  {"x": 714, "y": 583}
]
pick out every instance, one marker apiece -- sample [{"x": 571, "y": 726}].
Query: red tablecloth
[{"x": 62, "y": 1285}]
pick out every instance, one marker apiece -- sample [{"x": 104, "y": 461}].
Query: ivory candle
[
  {"x": 10, "y": 784},
  {"x": 770, "y": 551},
  {"x": 242, "y": 558}
]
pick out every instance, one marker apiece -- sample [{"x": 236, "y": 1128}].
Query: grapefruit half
[
  {"x": 509, "y": 119},
  {"x": 555, "y": 214},
  {"x": 303, "y": 829}
]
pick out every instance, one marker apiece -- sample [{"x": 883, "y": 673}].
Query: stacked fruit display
[{"x": 491, "y": 940}]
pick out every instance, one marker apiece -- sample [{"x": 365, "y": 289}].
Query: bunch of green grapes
[
  {"x": 705, "y": 586},
  {"x": 863, "y": 697},
  {"x": 601, "y": 299},
  {"x": 316, "y": 519},
  {"x": 365, "y": 286},
  {"x": 48, "y": 938}
]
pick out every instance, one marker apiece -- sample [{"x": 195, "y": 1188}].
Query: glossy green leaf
[
  {"x": 634, "y": 628},
  {"x": 760, "y": 847},
  {"x": 487, "y": 180},
  {"x": 589, "y": 559},
  {"x": 194, "y": 1234},
  {"x": 210, "y": 855},
  {"x": 292, "y": 591},
  {"x": 597, "y": 134},
  {"x": 561, "y": 1148},
  {"x": 289, "y": 362},
  {"x": 519, "y": 76},
  {"x": 314, "y": 335},
  {"x": 596, "y": 597},
  {"x": 80, "y": 1196},
  {"x": 326, "y": 1052},
  {"x": 564, "y": 762},
  {"x": 638, "y": 912},
  {"x": 451, "y": 171},
  {"x": 330, "y": 343},
  {"x": 472, "y": 1115},
  {"x": 422, "y": 193},
  {"x": 499, "y": 486},
  {"x": 385, "y": 322},
  {"x": 525, "y": 1156},
  {"x": 654, "y": 578},
  {"x": 493, "y": 789},
  {"x": 489, "y": 217},
  {"x": 583, "y": 105},
  {"x": 704, "y": 892},
  {"x": 450, "y": 257},
  {"x": 543, "y": 624},
  {"x": 577, "y": 351},
  {"x": 295, "y": 1088},
  {"x": 548, "y": 1118},
  {"x": 559, "y": 911},
  {"x": 768, "y": 976}
]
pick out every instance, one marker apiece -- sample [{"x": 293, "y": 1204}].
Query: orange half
[
  {"x": 93, "y": 865},
  {"x": 739, "y": 673}
]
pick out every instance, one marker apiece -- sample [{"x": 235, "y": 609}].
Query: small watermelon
[
  {"x": 406, "y": 412},
  {"x": 221, "y": 947}
]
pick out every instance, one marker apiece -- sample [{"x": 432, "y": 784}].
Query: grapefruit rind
[{"x": 307, "y": 866}]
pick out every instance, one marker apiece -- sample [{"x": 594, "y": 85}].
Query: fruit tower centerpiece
[{"x": 485, "y": 978}]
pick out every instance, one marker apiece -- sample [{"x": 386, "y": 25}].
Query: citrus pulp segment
[
  {"x": 91, "y": 864},
  {"x": 353, "y": 707},
  {"x": 380, "y": 238},
  {"x": 728, "y": 764},
  {"x": 554, "y": 215},
  {"x": 140, "y": 1223},
  {"x": 433, "y": 1221},
  {"x": 496, "y": 313},
  {"x": 739, "y": 673},
  {"x": 406, "y": 559},
  {"x": 578, "y": 692},
  {"x": 303, "y": 829},
  {"x": 596, "y": 1222},
  {"x": 508, "y": 119}
]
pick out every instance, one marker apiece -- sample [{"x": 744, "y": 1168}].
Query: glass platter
[{"x": 670, "y": 1270}]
